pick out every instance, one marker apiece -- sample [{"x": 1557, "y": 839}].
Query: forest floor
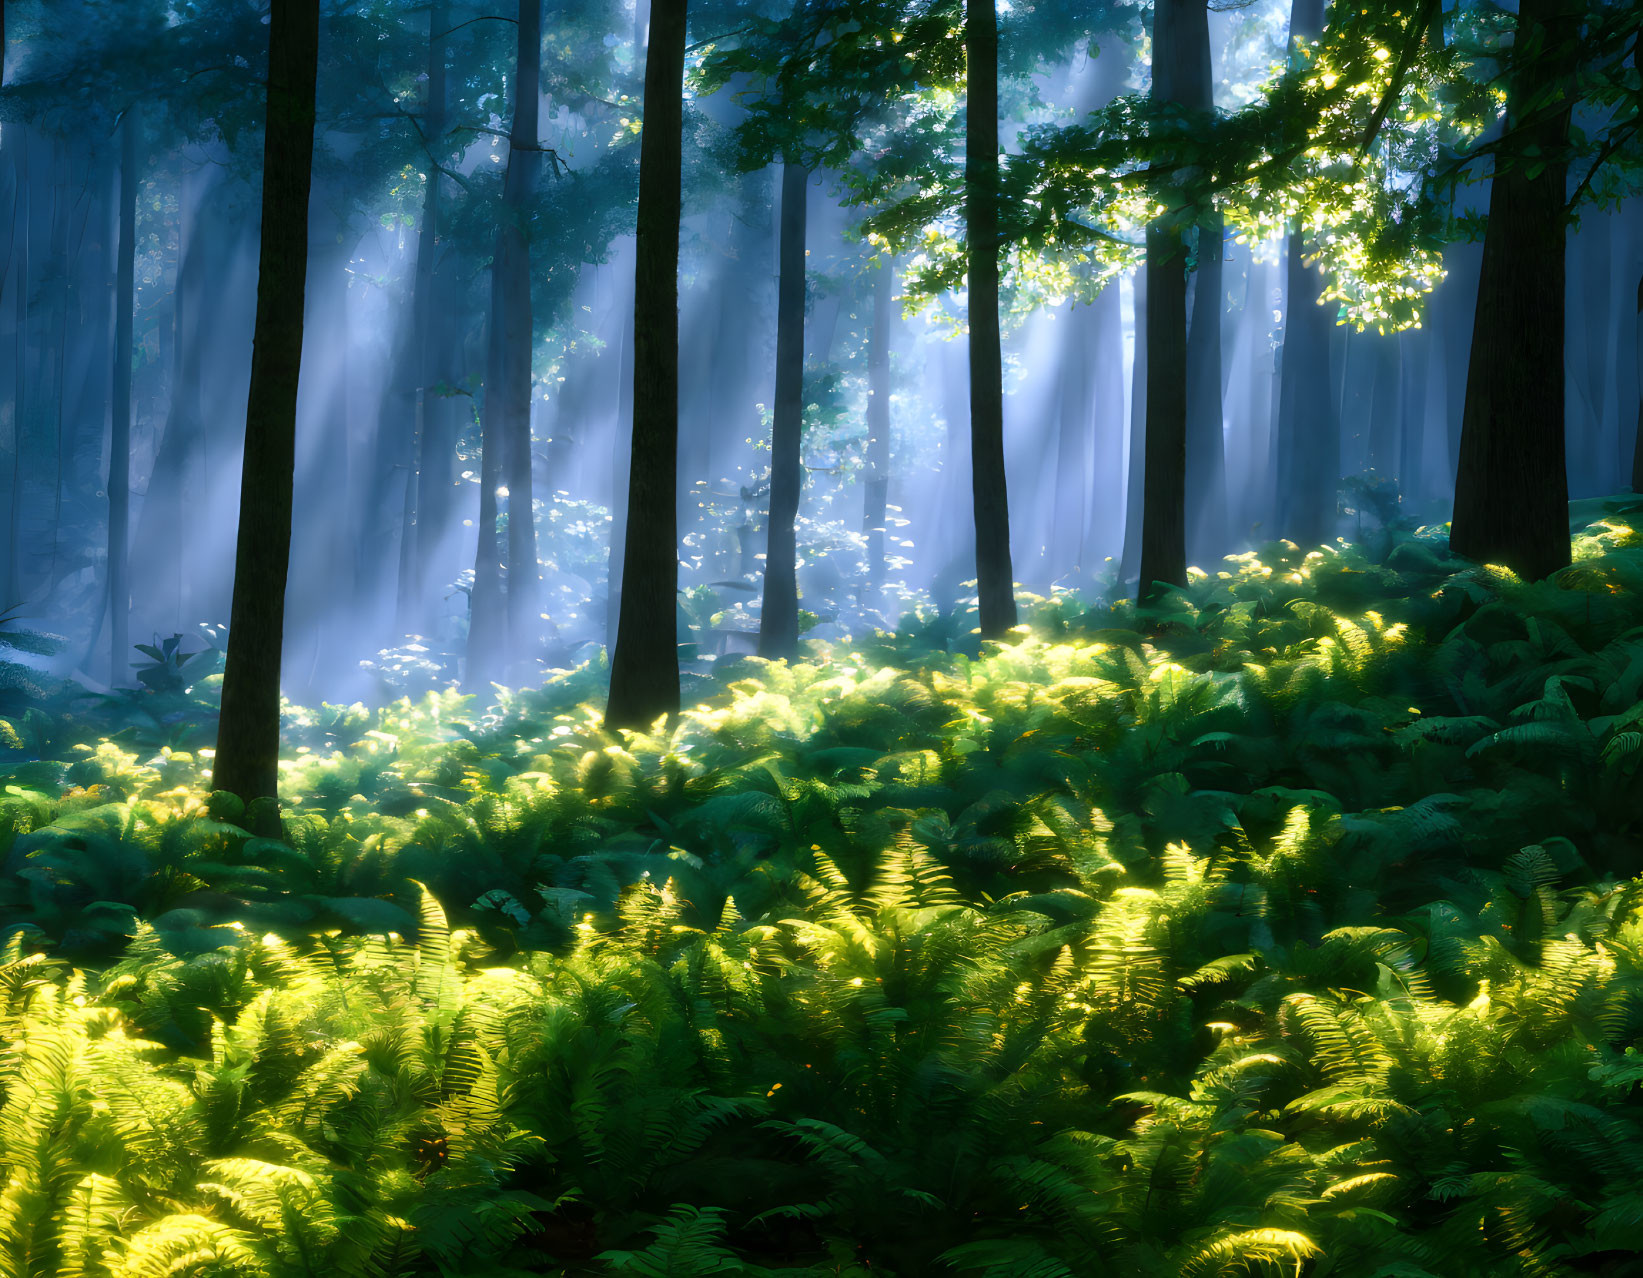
[{"x": 1294, "y": 927}]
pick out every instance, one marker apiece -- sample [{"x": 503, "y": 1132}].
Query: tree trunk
[
  {"x": 876, "y": 491},
  {"x": 1308, "y": 444},
  {"x": 995, "y": 576},
  {"x": 487, "y": 609},
  {"x": 621, "y": 462},
  {"x": 1135, "y": 469},
  {"x": 779, "y": 614},
  {"x": 119, "y": 446},
  {"x": 1163, "y": 509},
  {"x": 1206, "y": 472},
  {"x": 1637, "y": 444},
  {"x": 501, "y": 625},
  {"x": 420, "y": 358},
  {"x": 644, "y": 674},
  {"x": 524, "y": 160},
  {"x": 166, "y": 599},
  {"x": 1163, "y": 512},
  {"x": 1511, "y": 487},
  {"x": 248, "y": 737},
  {"x": 22, "y": 234}
]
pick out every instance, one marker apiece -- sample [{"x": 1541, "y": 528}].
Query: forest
[{"x": 883, "y": 638}]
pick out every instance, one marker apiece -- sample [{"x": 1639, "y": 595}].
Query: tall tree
[
  {"x": 426, "y": 478},
  {"x": 1163, "y": 513},
  {"x": 1637, "y": 444},
  {"x": 502, "y": 619},
  {"x": 1308, "y": 444},
  {"x": 1206, "y": 495},
  {"x": 1511, "y": 486},
  {"x": 524, "y": 165},
  {"x": 779, "y": 613},
  {"x": 995, "y": 575},
  {"x": 248, "y": 735},
  {"x": 644, "y": 674},
  {"x": 876, "y": 491},
  {"x": 119, "y": 447}
]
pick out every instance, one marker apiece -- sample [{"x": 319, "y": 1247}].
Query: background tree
[
  {"x": 502, "y": 617},
  {"x": 1307, "y": 447},
  {"x": 1206, "y": 496},
  {"x": 119, "y": 449},
  {"x": 779, "y": 615},
  {"x": 1637, "y": 438},
  {"x": 876, "y": 491}
]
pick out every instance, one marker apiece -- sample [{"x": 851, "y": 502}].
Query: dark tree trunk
[
  {"x": 487, "y": 609},
  {"x": 524, "y": 160},
  {"x": 1206, "y": 472},
  {"x": 22, "y": 227},
  {"x": 779, "y": 614},
  {"x": 1637, "y": 443},
  {"x": 876, "y": 491},
  {"x": 1163, "y": 511},
  {"x": 995, "y": 576},
  {"x": 621, "y": 463},
  {"x": 248, "y": 737},
  {"x": 501, "y": 629},
  {"x": 119, "y": 445},
  {"x": 644, "y": 674},
  {"x": 1511, "y": 487},
  {"x": 1309, "y": 436},
  {"x": 1308, "y": 443}
]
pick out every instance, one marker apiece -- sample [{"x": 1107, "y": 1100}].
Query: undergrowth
[{"x": 1291, "y": 927}]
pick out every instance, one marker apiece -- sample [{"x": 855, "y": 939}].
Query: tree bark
[
  {"x": 22, "y": 228},
  {"x": 1309, "y": 436},
  {"x": 524, "y": 161},
  {"x": 501, "y": 623},
  {"x": 995, "y": 575},
  {"x": 644, "y": 675},
  {"x": 1136, "y": 428},
  {"x": 1163, "y": 512},
  {"x": 419, "y": 361},
  {"x": 119, "y": 446},
  {"x": 1511, "y": 487},
  {"x": 1206, "y": 472},
  {"x": 779, "y": 614},
  {"x": 621, "y": 462},
  {"x": 1637, "y": 444},
  {"x": 248, "y": 738},
  {"x": 876, "y": 491}
]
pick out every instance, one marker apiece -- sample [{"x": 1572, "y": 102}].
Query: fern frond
[{"x": 1238, "y": 1252}]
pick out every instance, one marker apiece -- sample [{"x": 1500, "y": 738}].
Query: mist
[{"x": 388, "y": 470}]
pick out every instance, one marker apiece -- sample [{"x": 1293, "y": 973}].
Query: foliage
[
  {"x": 1292, "y": 923},
  {"x": 21, "y": 680}
]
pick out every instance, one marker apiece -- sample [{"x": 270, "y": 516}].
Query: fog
[{"x": 384, "y": 533}]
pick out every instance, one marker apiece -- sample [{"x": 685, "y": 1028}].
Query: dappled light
[{"x": 876, "y": 638}]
